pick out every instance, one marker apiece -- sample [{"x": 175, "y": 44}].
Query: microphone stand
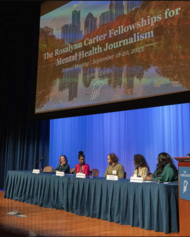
[{"x": 40, "y": 162}]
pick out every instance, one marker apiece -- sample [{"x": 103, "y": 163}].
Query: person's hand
[{"x": 148, "y": 178}]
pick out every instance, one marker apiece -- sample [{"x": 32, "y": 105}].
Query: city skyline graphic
[{"x": 82, "y": 17}]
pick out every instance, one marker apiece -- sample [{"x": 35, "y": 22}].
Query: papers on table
[
  {"x": 36, "y": 171},
  {"x": 61, "y": 174},
  {"x": 112, "y": 177},
  {"x": 136, "y": 179}
]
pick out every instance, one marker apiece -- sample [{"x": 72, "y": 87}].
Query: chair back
[
  {"x": 48, "y": 169},
  {"x": 73, "y": 171},
  {"x": 94, "y": 172},
  {"x": 125, "y": 175}
]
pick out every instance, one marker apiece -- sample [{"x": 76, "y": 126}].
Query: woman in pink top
[{"x": 82, "y": 167}]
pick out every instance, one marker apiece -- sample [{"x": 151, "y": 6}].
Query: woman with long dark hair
[
  {"x": 63, "y": 165},
  {"x": 166, "y": 170},
  {"x": 142, "y": 168}
]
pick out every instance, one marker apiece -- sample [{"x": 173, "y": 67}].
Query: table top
[{"x": 53, "y": 174}]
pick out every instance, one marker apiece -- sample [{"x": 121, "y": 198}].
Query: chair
[
  {"x": 72, "y": 171},
  {"x": 94, "y": 172},
  {"x": 48, "y": 169},
  {"x": 125, "y": 175}
]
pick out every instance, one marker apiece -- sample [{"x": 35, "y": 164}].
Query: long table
[{"x": 153, "y": 206}]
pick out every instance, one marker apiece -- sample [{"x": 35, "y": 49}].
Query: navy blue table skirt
[{"x": 146, "y": 205}]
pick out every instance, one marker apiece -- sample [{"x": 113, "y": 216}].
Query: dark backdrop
[{"x": 22, "y": 141}]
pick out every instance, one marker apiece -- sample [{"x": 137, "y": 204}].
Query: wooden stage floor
[{"x": 50, "y": 222}]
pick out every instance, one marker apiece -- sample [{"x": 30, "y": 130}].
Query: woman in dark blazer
[{"x": 63, "y": 165}]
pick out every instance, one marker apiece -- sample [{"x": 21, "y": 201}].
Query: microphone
[
  {"x": 139, "y": 165},
  {"x": 40, "y": 167},
  {"x": 41, "y": 159},
  {"x": 188, "y": 154}
]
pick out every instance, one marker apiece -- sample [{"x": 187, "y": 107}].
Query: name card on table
[
  {"x": 80, "y": 175},
  {"x": 58, "y": 173},
  {"x": 136, "y": 179},
  {"x": 35, "y": 171},
  {"x": 112, "y": 177}
]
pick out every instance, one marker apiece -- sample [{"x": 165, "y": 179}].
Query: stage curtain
[
  {"x": 22, "y": 141},
  {"x": 143, "y": 131}
]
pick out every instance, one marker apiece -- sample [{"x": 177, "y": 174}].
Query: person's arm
[
  {"x": 121, "y": 172},
  {"x": 168, "y": 174},
  {"x": 76, "y": 168},
  {"x": 106, "y": 173},
  {"x": 148, "y": 178},
  {"x": 66, "y": 169},
  {"x": 143, "y": 172},
  {"x": 153, "y": 177},
  {"x": 87, "y": 170},
  {"x": 135, "y": 172},
  {"x": 56, "y": 169}
]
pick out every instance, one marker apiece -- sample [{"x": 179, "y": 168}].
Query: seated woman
[
  {"x": 82, "y": 167},
  {"x": 166, "y": 170},
  {"x": 63, "y": 165},
  {"x": 142, "y": 168}
]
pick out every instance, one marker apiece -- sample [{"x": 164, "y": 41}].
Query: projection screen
[{"x": 99, "y": 52}]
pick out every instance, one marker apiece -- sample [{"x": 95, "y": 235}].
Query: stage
[{"x": 50, "y": 222}]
